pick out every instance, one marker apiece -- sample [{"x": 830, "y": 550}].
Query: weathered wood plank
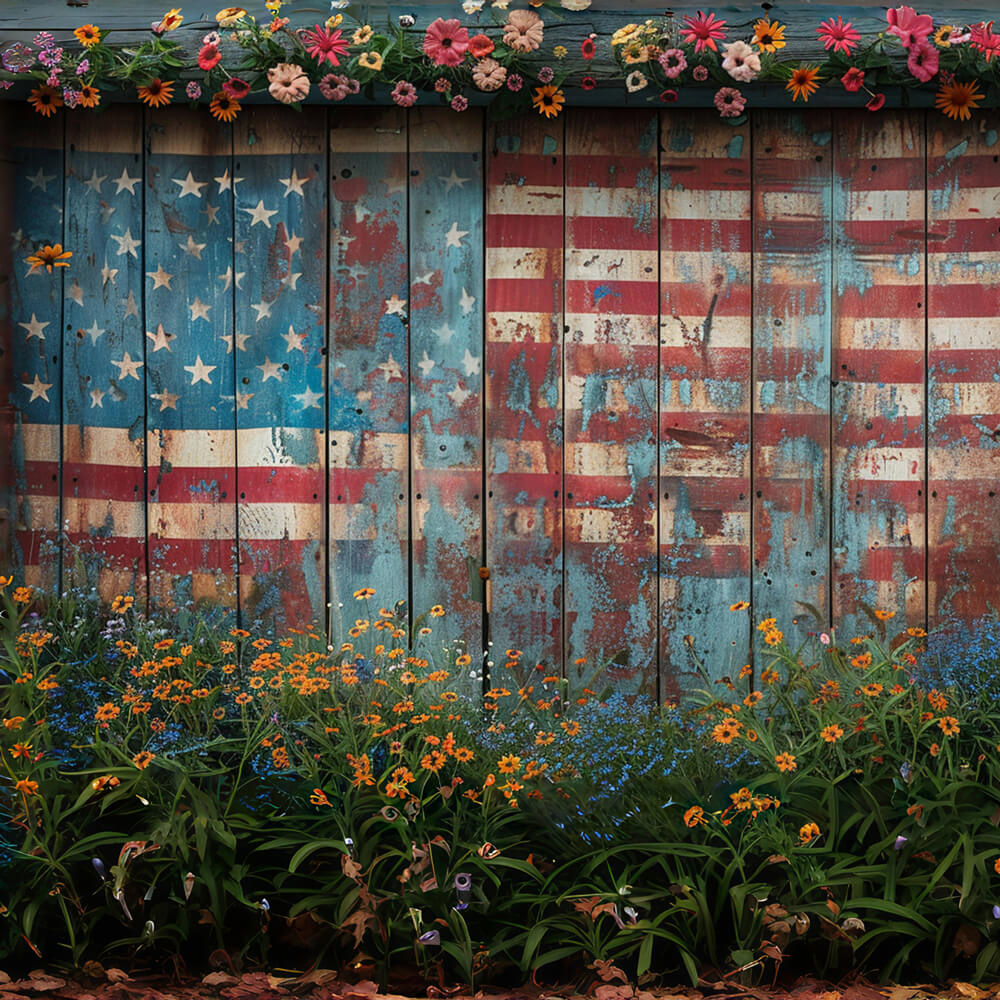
[
  {"x": 879, "y": 301},
  {"x": 704, "y": 433},
  {"x": 8, "y": 386},
  {"x": 103, "y": 414},
  {"x": 963, "y": 284},
  {"x": 37, "y": 307},
  {"x": 790, "y": 441},
  {"x": 191, "y": 439},
  {"x": 446, "y": 349},
  {"x": 279, "y": 350},
  {"x": 524, "y": 431},
  {"x": 368, "y": 376},
  {"x": 610, "y": 359}
]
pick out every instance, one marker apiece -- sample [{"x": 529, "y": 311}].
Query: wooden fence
[{"x": 641, "y": 364}]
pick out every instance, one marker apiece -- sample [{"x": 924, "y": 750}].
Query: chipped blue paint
[
  {"x": 725, "y": 394},
  {"x": 959, "y": 149},
  {"x": 768, "y": 392},
  {"x": 734, "y": 148},
  {"x": 684, "y": 391},
  {"x": 508, "y": 143},
  {"x": 948, "y": 524},
  {"x": 822, "y": 138},
  {"x": 990, "y": 138}
]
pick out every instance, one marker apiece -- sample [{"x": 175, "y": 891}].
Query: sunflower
[
  {"x": 88, "y": 35},
  {"x": 548, "y": 100},
  {"x": 90, "y": 96},
  {"x": 768, "y": 36},
  {"x": 223, "y": 107},
  {"x": 45, "y": 100},
  {"x": 47, "y": 257},
  {"x": 957, "y": 100},
  {"x": 802, "y": 83},
  {"x": 157, "y": 93}
]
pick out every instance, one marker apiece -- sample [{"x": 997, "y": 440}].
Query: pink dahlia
[
  {"x": 673, "y": 62},
  {"x": 446, "y": 42},
  {"x": 324, "y": 45}
]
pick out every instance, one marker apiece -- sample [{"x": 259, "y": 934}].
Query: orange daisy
[
  {"x": 90, "y": 96},
  {"x": 88, "y": 35},
  {"x": 157, "y": 93},
  {"x": 957, "y": 100},
  {"x": 45, "y": 100},
  {"x": 803, "y": 82},
  {"x": 548, "y": 100},
  {"x": 47, "y": 257},
  {"x": 223, "y": 107}
]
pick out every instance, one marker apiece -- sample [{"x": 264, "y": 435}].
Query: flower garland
[{"x": 452, "y": 61}]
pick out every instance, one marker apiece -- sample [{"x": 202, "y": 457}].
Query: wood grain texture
[
  {"x": 879, "y": 302},
  {"x": 279, "y": 351},
  {"x": 445, "y": 311},
  {"x": 524, "y": 386},
  {"x": 610, "y": 358},
  {"x": 963, "y": 282},
  {"x": 191, "y": 436},
  {"x": 704, "y": 401},
  {"x": 8, "y": 386}
]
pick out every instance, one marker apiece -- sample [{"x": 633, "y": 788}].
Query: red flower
[
  {"x": 668, "y": 96},
  {"x": 909, "y": 26},
  {"x": 981, "y": 37},
  {"x": 236, "y": 88},
  {"x": 324, "y": 45},
  {"x": 875, "y": 104},
  {"x": 480, "y": 46},
  {"x": 838, "y": 36},
  {"x": 446, "y": 42},
  {"x": 588, "y": 83},
  {"x": 923, "y": 61},
  {"x": 588, "y": 49},
  {"x": 854, "y": 79},
  {"x": 208, "y": 57},
  {"x": 703, "y": 31}
]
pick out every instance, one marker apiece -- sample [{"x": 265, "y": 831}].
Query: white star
[
  {"x": 391, "y": 368},
  {"x": 39, "y": 389},
  {"x": 107, "y": 211},
  {"x": 425, "y": 365},
  {"x": 41, "y": 180},
  {"x": 108, "y": 274},
  {"x": 294, "y": 340},
  {"x": 471, "y": 363},
  {"x": 294, "y": 183},
  {"x": 161, "y": 339},
  {"x": 289, "y": 279},
  {"x": 211, "y": 211},
  {"x": 458, "y": 395},
  {"x": 131, "y": 306},
  {"x": 262, "y": 309},
  {"x": 34, "y": 327},
  {"x": 226, "y": 183},
  {"x": 193, "y": 248},
  {"x": 453, "y": 238},
  {"x": 227, "y": 278},
  {"x": 127, "y": 367},
  {"x": 200, "y": 371},
  {"x": 243, "y": 399},
  {"x": 95, "y": 182},
  {"x": 75, "y": 292},
  {"x": 126, "y": 244},
  {"x": 453, "y": 180},
  {"x": 293, "y": 243},
  {"x": 467, "y": 301},
  {"x": 161, "y": 279},
  {"x": 308, "y": 399},
  {"x": 124, "y": 181},
  {"x": 260, "y": 214},
  {"x": 199, "y": 310},
  {"x": 270, "y": 369},
  {"x": 424, "y": 279},
  {"x": 395, "y": 305},
  {"x": 167, "y": 400},
  {"x": 94, "y": 332},
  {"x": 96, "y": 398},
  {"x": 189, "y": 186},
  {"x": 445, "y": 333},
  {"x": 241, "y": 341}
]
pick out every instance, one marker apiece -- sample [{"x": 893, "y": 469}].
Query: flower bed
[{"x": 191, "y": 789}]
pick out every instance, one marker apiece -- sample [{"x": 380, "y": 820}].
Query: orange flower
[
  {"x": 26, "y": 787},
  {"x": 957, "y": 100},
  {"x": 548, "y": 100},
  {"x": 726, "y": 731},
  {"x": 88, "y": 35},
  {"x": 832, "y": 733},
  {"x": 739, "y": 606},
  {"x": 807, "y": 832},
  {"x": 437, "y": 611},
  {"x": 571, "y": 728},
  {"x": 157, "y": 93},
  {"x": 172, "y": 19},
  {"x": 21, "y": 750},
  {"x": 107, "y": 712},
  {"x": 934, "y": 749},
  {"x": 47, "y": 257},
  {"x": 872, "y": 690},
  {"x": 862, "y": 661},
  {"x": 884, "y": 616},
  {"x": 105, "y": 782},
  {"x": 996, "y": 866},
  {"x": 948, "y": 725},
  {"x": 318, "y": 797},
  {"x": 143, "y": 759},
  {"x": 786, "y": 762},
  {"x": 803, "y": 82},
  {"x": 509, "y": 764},
  {"x": 364, "y": 593},
  {"x": 694, "y": 816},
  {"x": 463, "y": 754},
  {"x": 45, "y": 100}
]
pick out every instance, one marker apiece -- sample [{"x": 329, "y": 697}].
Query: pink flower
[
  {"x": 982, "y": 39},
  {"x": 700, "y": 73},
  {"x": 324, "y": 45},
  {"x": 923, "y": 61},
  {"x": 446, "y": 42},
  {"x": 875, "y": 104},
  {"x": 212, "y": 38},
  {"x": 588, "y": 49},
  {"x": 404, "y": 94},
  {"x": 673, "y": 62},
  {"x": 333, "y": 87},
  {"x": 703, "y": 31},
  {"x": 82, "y": 67},
  {"x": 838, "y": 36},
  {"x": 43, "y": 39},
  {"x": 523, "y": 31},
  {"x": 741, "y": 61},
  {"x": 71, "y": 98},
  {"x": 459, "y": 103},
  {"x": 730, "y": 102},
  {"x": 668, "y": 96},
  {"x": 546, "y": 74},
  {"x": 288, "y": 83},
  {"x": 236, "y": 88},
  {"x": 489, "y": 75},
  {"x": 853, "y": 80},
  {"x": 588, "y": 83},
  {"x": 442, "y": 84},
  {"x": 208, "y": 57},
  {"x": 824, "y": 638},
  {"x": 515, "y": 82},
  {"x": 909, "y": 26},
  {"x": 193, "y": 90}
]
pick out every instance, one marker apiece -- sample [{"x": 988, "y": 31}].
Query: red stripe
[
  {"x": 972, "y": 365},
  {"x": 732, "y": 235},
  {"x": 533, "y": 232},
  {"x": 186, "y": 484},
  {"x": 610, "y": 296},
  {"x": 605, "y": 233},
  {"x": 105, "y": 482},
  {"x": 708, "y": 174}
]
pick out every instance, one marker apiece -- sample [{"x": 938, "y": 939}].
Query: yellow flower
[
  {"x": 739, "y": 606},
  {"x": 172, "y": 19},
  {"x": 364, "y": 593},
  {"x": 334, "y": 21},
  {"x": 942, "y": 37},
  {"x": 87, "y": 35},
  {"x": 560, "y": 52},
  {"x": 437, "y": 611},
  {"x": 768, "y": 36},
  {"x": 509, "y": 764},
  {"x": 362, "y": 35},
  {"x": 370, "y": 60}
]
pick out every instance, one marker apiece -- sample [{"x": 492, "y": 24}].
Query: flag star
[
  {"x": 294, "y": 183},
  {"x": 126, "y": 244},
  {"x": 293, "y": 243},
  {"x": 167, "y": 400},
  {"x": 124, "y": 181},
  {"x": 453, "y": 180},
  {"x": 227, "y": 278},
  {"x": 445, "y": 333},
  {"x": 96, "y": 398},
  {"x": 391, "y": 368},
  {"x": 425, "y": 365},
  {"x": 467, "y": 301},
  {"x": 131, "y": 306},
  {"x": 107, "y": 211},
  {"x": 189, "y": 186},
  {"x": 199, "y": 310},
  {"x": 41, "y": 180},
  {"x": 240, "y": 338},
  {"x": 108, "y": 274},
  {"x": 243, "y": 399},
  {"x": 289, "y": 279},
  {"x": 262, "y": 309},
  {"x": 127, "y": 367},
  {"x": 396, "y": 306},
  {"x": 200, "y": 371},
  {"x": 424, "y": 279},
  {"x": 34, "y": 326},
  {"x": 211, "y": 211},
  {"x": 260, "y": 214},
  {"x": 471, "y": 363},
  {"x": 94, "y": 332},
  {"x": 95, "y": 182},
  {"x": 161, "y": 339},
  {"x": 39, "y": 389},
  {"x": 193, "y": 248},
  {"x": 227, "y": 183},
  {"x": 161, "y": 279},
  {"x": 308, "y": 399},
  {"x": 459, "y": 395},
  {"x": 294, "y": 340},
  {"x": 75, "y": 292},
  {"x": 453, "y": 238},
  {"x": 270, "y": 369}
]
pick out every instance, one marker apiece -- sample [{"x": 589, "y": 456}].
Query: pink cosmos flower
[
  {"x": 703, "y": 31},
  {"x": 404, "y": 94},
  {"x": 208, "y": 57},
  {"x": 324, "y": 45},
  {"x": 673, "y": 62},
  {"x": 730, "y": 102},
  {"x": 909, "y": 26},
  {"x": 854, "y": 79},
  {"x": 923, "y": 61},
  {"x": 212, "y": 38},
  {"x": 546, "y": 74},
  {"x": 333, "y": 87},
  {"x": 838, "y": 36},
  {"x": 442, "y": 84},
  {"x": 515, "y": 82},
  {"x": 446, "y": 42}
]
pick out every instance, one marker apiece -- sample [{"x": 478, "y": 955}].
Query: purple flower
[
  {"x": 43, "y": 39},
  {"x": 515, "y": 82},
  {"x": 996, "y": 912},
  {"x": 459, "y": 103},
  {"x": 83, "y": 66},
  {"x": 6, "y": 84},
  {"x": 546, "y": 74},
  {"x": 900, "y": 842},
  {"x": 193, "y": 90},
  {"x": 71, "y": 98},
  {"x": 50, "y": 57}
]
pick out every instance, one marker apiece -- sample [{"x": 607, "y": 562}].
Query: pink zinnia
[
  {"x": 909, "y": 26},
  {"x": 446, "y": 42},
  {"x": 923, "y": 61},
  {"x": 673, "y": 62},
  {"x": 208, "y": 57},
  {"x": 323, "y": 44},
  {"x": 838, "y": 36},
  {"x": 853, "y": 80},
  {"x": 703, "y": 31},
  {"x": 730, "y": 102},
  {"x": 404, "y": 94}
]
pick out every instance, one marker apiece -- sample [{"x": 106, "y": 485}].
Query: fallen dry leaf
[{"x": 219, "y": 979}]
